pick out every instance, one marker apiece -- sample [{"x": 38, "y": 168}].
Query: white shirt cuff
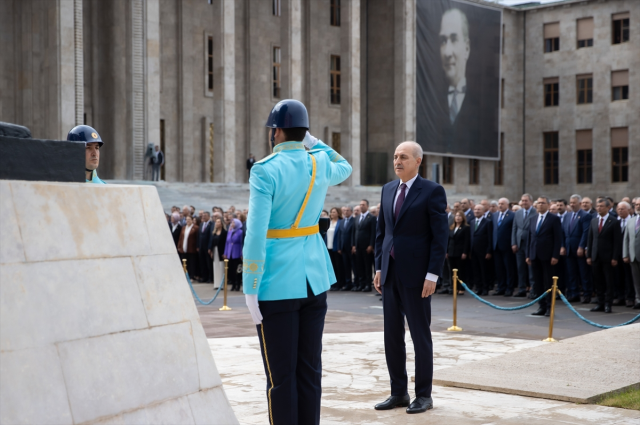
[{"x": 432, "y": 277}]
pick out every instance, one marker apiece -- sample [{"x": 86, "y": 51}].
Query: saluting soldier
[
  {"x": 93, "y": 143},
  {"x": 287, "y": 270}
]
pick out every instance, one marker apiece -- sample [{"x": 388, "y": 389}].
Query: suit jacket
[
  {"x": 364, "y": 232},
  {"x": 221, "y": 242},
  {"x": 502, "y": 232},
  {"x": 176, "y": 233},
  {"x": 545, "y": 244},
  {"x": 192, "y": 242},
  {"x": 469, "y": 215},
  {"x": 459, "y": 242},
  {"x": 520, "y": 228},
  {"x": 576, "y": 236},
  {"x": 451, "y": 218},
  {"x": 481, "y": 238},
  {"x": 604, "y": 245},
  {"x": 419, "y": 237},
  {"x": 631, "y": 241},
  {"x": 205, "y": 235},
  {"x": 345, "y": 236}
]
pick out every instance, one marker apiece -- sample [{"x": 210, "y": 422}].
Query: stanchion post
[
  {"x": 553, "y": 310},
  {"x": 455, "y": 328},
  {"x": 184, "y": 266},
  {"x": 226, "y": 275}
]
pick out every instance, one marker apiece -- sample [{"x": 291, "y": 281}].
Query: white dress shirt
[
  {"x": 362, "y": 216},
  {"x": 459, "y": 95},
  {"x": 541, "y": 218},
  {"x": 623, "y": 222},
  {"x": 187, "y": 230},
  {"x": 430, "y": 276},
  {"x": 331, "y": 231},
  {"x": 173, "y": 227}
]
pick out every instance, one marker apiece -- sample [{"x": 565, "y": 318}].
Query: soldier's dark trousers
[{"x": 291, "y": 346}]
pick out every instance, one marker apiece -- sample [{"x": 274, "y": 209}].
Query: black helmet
[
  {"x": 84, "y": 133},
  {"x": 288, "y": 113}
]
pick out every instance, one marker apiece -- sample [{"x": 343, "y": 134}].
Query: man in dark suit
[
  {"x": 465, "y": 205},
  {"x": 345, "y": 245},
  {"x": 411, "y": 244},
  {"x": 364, "y": 239},
  {"x": 175, "y": 227},
  {"x": 603, "y": 253},
  {"x": 520, "y": 241},
  {"x": 545, "y": 241},
  {"x": 206, "y": 264},
  {"x": 505, "y": 259},
  {"x": 625, "y": 293},
  {"x": 575, "y": 229},
  {"x": 481, "y": 249}
]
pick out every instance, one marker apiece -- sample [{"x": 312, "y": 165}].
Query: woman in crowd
[
  {"x": 188, "y": 245},
  {"x": 233, "y": 252},
  {"x": 333, "y": 233},
  {"x": 243, "y": 219},
  {"x": 459, "y": 246},
  {"x": 216, "y": 251}
]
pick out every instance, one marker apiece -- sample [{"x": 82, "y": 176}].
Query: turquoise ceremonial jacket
[
  {"x": 95, "y": 178},
  {"x": 278, "y": 269}
]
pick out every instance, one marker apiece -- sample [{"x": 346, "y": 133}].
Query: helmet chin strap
[{"x": 273, "y": 139}]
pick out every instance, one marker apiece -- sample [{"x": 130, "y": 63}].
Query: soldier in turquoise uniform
[
  {"x": 93, "y": 143},
  {"x": 286, "y": 267}
]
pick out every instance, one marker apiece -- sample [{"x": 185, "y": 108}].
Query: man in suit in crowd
[
  {"x": 175, "y": 227},
  {"x": 543, "y": 252},
  {"x": 250, "y": 161},
  {"x": 561, "y": 212},
  {"x": 364, "y": 239},
  {"x": 587, "y": 205},
  {"x": 504, "y": 257},
  {"x": 450, "y": 215},
  {"x": 481, "y": 249},
  {"x": 465, "y": 206},
  {"x": 489, "y": 267},
  {"x": 520, "y": 241},
  {"x": 206, "y": 264},
  {"x": 575, "y": 229},
  {"x": 603, "y": 252},
  {"x": 624, "y": 292},
  {"x": 344, "y": 246},
  {"x": 631, "y": 250},
  {"x": 411, "y": 243}
]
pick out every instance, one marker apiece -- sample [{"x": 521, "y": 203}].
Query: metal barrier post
[
  {"x": 553, "y": 309},
  {"x": 226, "y": 275},
  {"x": 184, "y": 266},
  {"x": 455, "y": 328}
]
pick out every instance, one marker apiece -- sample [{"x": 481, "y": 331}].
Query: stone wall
[{"x": 96, "y": 320}]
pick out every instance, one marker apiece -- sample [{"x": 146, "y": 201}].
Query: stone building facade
[{"x": 199, "y": 77}]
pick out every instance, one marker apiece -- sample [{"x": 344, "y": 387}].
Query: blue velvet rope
[
  {"x": 196, "y": 295},
  {"x": 497, "y": 307},
  {"x": 597, "y": 325}
]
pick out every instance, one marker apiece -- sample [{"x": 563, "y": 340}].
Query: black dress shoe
[
  {"x": 485, "y": 293},
  {"x": 548, "y": 313},
  {"x": 334, "y": 288},
  {"x": 541, "y": 312},
  {"x": 346, "y": 288},
  {"x": 508, "y": 294},
  {"x": 356, "y": 289},
  {"x": 393, "y": 402},
  {"x": 521, "y": 294},
  {"x": 607, "y": 308},
  {"x": 618, "y": 302},
  {"x": 367, "y": 288},
  {"x": 636, "y": 306},
  {"x": 420, "y": 404},
  {"x": 586, "y": 300},
  {"x": 444, "y": 291},
  {"x": 501, "y": 292},
  {"x": 599, "y": 307},
  {"x": 629, "y": 303},
  {"x": 574, "y": 299}
]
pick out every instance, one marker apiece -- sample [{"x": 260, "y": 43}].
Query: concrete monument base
[{"x": 97, "y": 324}]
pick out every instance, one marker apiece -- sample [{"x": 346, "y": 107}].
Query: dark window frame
[
  {"x": 276, "y": 8},
  {"x": 551, "y": 44},
  {"x": 620, "y": 164},
  {"x": 620, "y": 31},
  {"x": 276, "y": 73},
  {"x": 551, "y": 94},
  {"x": 498, "y": 167},
  {"x": 550, "y": 158},
  {"x": 474, "y": 171},
  {"x": 210, "y": 63},
  {"x": 584, "y": 166},
  {"x": 584, "y": 89},
  {"x": 334, "y": 79},
  {"x": 447, "y": 170},
  {"x": 335, "y": 13}
]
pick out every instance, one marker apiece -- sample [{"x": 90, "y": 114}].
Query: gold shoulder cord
[{"x": 295, "y": 231}]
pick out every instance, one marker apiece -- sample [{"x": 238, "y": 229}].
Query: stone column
[
  {"x": 185, "y": 92},
  {"x": 295, "y": 49},
  {"x": 67, "y": 74},
  {"x": 350, "y": 90},
  {"x": 228, "y": 90},
  {"x": 405, "y": 71},
  {"x": 137, "y": 93},
  {"x": 79, "y": 61},
  {"x": 152, "y": 90}
]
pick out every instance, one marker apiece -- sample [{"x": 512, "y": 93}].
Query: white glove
[
  {"x": 254, "y": 309},
  {"x": 309, "y": 141}
]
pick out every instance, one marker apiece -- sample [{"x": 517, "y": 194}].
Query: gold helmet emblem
[{"x": 94, "y": 135}]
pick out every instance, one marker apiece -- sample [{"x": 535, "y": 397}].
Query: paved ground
[{"x": 362, "y": 312}]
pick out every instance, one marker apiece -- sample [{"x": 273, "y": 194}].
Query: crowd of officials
[{"x": 499, "y": 247}]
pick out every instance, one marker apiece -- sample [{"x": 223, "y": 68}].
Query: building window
[
  {"x": 584, "y": 88},
  {"x": 503, "y": 39},
  {"x": 447, "y": 170},
  {"x": 210, "y": 64},
  {"x": 551, "y": 91},
  {"x": 335, "y": 142},
  {"x": 335, "y": 79},
  {"x": 502, "y": 93},
  {"x": 551, "y": 158},
  {"x": 620, "y": 154},
  {"x": 619, "y": 85},
  {"x": 335, "y": 13},
  {"x": 620, "y": 28},
  {"x": 551, "y": 37},
  {"x": 276, "y": 9},
  {"x": 584, "y": 148},
  {"x": 162, "y": 148},
  {"x": 498, "y": 170},
  {"x": 585, "y": 32},
  {"x": 276, "y": 72},
  {"x": 474, "y": 171}
]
